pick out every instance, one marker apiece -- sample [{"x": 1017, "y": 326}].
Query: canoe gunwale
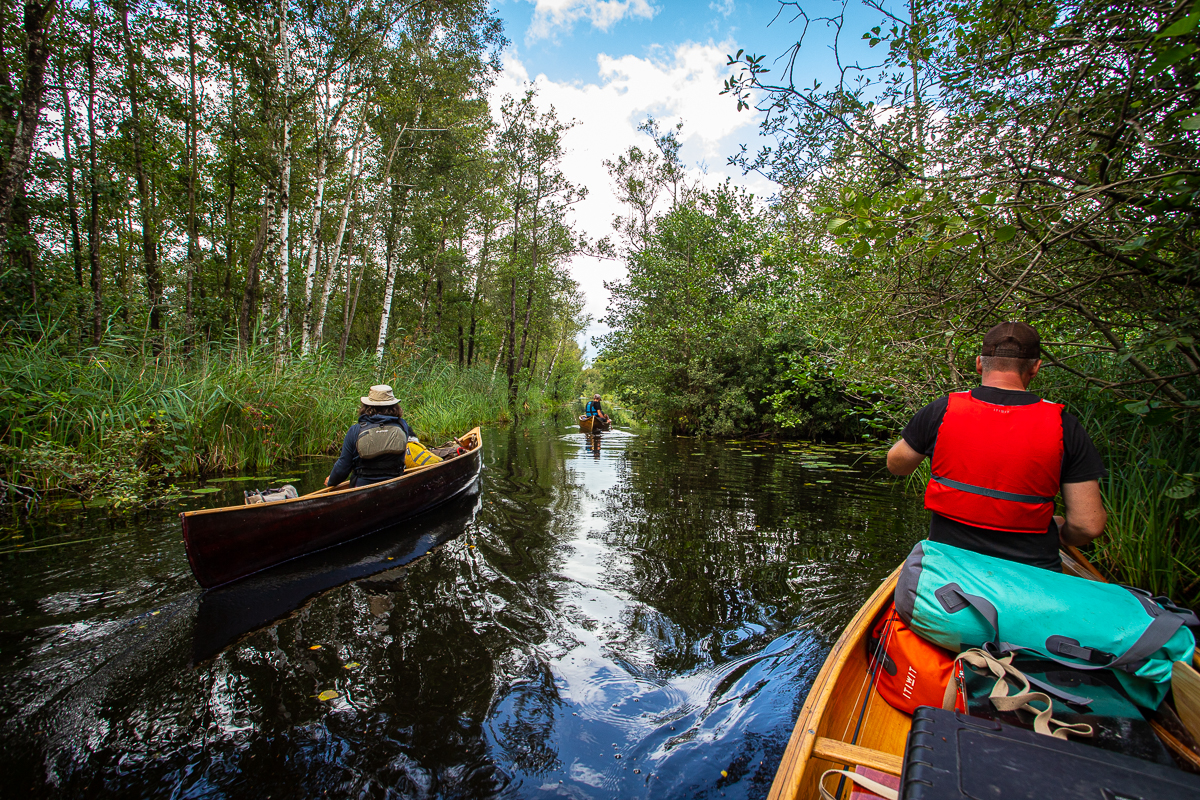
[{"x": 808, "y": 728}]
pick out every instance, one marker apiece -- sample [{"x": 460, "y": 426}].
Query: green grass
[
  {"x": 1152, "y": 539},
  {"x": 119, "y": 410}
]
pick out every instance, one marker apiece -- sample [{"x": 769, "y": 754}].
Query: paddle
[{"x": 1185, "y": 685}]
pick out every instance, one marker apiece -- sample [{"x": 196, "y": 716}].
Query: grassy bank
[{"x": 109, "y": 422}]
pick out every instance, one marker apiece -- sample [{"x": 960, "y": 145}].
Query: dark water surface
[{"x": 637, "y": 617}]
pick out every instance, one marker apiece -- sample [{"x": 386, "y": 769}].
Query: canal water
[{"x": 634, "y": 615}]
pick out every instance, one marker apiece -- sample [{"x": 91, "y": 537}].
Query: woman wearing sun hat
[{"x": 374, "y": 446}]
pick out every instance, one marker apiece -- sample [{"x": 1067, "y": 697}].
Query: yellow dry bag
[{"x": 416, "y": 455}]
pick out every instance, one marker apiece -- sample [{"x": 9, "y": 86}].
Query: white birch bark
[
  {"x": 554, "y": 359},
  {"x": 389, "y": 286},
  {"x": 327, "y": 289},
  {"x": 314, "y": 233},
  {"x": 285, "y": 180}
]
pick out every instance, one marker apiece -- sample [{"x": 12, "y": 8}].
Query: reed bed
[{"x": 85, "y": 421}]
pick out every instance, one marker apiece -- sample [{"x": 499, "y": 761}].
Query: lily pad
[
  {"x": 242, "y": 478},
  {"x": 206, "y": 490}
]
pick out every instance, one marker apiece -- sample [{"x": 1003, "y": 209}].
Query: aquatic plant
[{"x": 212, "y": 410}]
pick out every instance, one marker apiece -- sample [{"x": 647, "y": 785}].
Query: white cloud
[
  {"x": 722, "y": 7},
  {"x": 551, "y": 16},
  {"x": 682, "y": 85}
]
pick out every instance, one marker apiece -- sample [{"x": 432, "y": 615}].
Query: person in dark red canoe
[
  {"x": 374, "y": 446},
  {"x": 1000, "y": 456}
]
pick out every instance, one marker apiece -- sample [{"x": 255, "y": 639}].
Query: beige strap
[
  {"x": 1024, "y": 698},
  {"x": 886, "y": 792}
]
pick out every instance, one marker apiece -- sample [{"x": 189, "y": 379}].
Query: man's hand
[
  {"x": 326, "y": 481},
  {"x": 902, "y": 459},
  {"x": 1085, "y": 517}
]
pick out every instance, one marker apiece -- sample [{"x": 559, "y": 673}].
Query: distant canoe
[
  {"x": 834, "y": 730},
  {"x": 225, "y": 544},
  {"x": 589, "y": 424}
]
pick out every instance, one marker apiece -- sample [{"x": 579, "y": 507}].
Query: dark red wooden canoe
[{"x": 224, "y": 544}]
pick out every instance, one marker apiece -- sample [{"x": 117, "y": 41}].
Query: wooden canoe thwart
[
  {"x": 593, "y": 424},
  {"x": 845, "y": 723},
  {"x": 225, "y": 544}
]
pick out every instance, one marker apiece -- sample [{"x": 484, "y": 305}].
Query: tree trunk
[
  {"x": 533, "y": 269},
  {"x": 190, "y": 154},
  {"x": 68, "y": 146},
  {"x": 393, "y": 267},
  {"x": 230, "y": 257},
  {"x": 314, "y": 239},
  {"x": 351, "y": 188},
  {"x": 285, "y": 183},
  {"x": 37, "y": 53},
  {"x": 285, "y": 253},
  {"x": 479, "y": 273},
  {"x": 93, "y": 184},
  {"x": 245, "y": 315},
  {"x": 154, "y": 285},
  {"x": 554, "y": 359},
  {"x": 389, "y": 286}
]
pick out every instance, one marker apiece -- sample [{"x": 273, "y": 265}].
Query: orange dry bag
[{"x": 910, "y": 671}]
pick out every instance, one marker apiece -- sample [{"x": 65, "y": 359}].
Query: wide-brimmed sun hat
[
  {"x": 595, "y": 397},
  {"x": 380, "y": 395}
]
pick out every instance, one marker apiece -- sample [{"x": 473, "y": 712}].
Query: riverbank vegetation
[
  {"x": 109, "y": 425},
  {"x": 220, "y": 224},
  {"x": 972, "y": 162}
]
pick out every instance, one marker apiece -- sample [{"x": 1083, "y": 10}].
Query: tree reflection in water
[{"x": 628, "y": 620}]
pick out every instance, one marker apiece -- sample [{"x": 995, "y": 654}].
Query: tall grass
[
  {"x": 1152, "y": 538},
  {"x": 217, "y": 408}
]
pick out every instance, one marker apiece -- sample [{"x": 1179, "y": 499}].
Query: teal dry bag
[{"x": 960, "y": 599}]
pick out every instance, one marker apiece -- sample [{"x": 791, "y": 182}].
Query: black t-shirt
[{"x": 1081, "y": 463}]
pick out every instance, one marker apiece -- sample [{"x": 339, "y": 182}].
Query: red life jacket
[{"x": 997, "y": 467}]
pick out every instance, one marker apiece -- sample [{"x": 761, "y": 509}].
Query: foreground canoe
[
  {"x": 592, "y": 424},
  {"x": 846, "y": 722},
  {"x": 225, "y": 544}
]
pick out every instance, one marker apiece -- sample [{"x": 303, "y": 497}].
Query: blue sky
[{"x": 607, "y": 64}]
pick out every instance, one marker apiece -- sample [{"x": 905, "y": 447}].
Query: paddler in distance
[
  {"x": 374, "y": 446},
  {"x": 1000, "y": 455},
  {"x": 593, "y": 409}
]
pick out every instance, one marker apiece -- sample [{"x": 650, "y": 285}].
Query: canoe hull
[
  {"x": 225, "y": 544},
  {"x": 592, "y": 424}
]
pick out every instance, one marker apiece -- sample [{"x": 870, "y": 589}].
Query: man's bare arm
[
  {"x": 1085, "y": 515},
  {"x": 902, "y": 459}
]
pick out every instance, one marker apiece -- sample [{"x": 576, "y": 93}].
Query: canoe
[
  {"x": 588, "y": 424},
  {"x": 228, "y": 613},
  {"x": 843, "y": 722},
  {"x": 225, "y": 544}
]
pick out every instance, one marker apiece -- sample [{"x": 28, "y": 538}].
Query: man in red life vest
[{"x": 1000, "y": 457}]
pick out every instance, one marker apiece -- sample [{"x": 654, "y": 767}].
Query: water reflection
[
  {"x": 638, "y": 617},
  {"x": 229, "y": 612}
]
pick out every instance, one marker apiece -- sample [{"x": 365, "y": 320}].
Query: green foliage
[
  {"x": 109, "y": 423},
  {"x": 702, "y": 340}
]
